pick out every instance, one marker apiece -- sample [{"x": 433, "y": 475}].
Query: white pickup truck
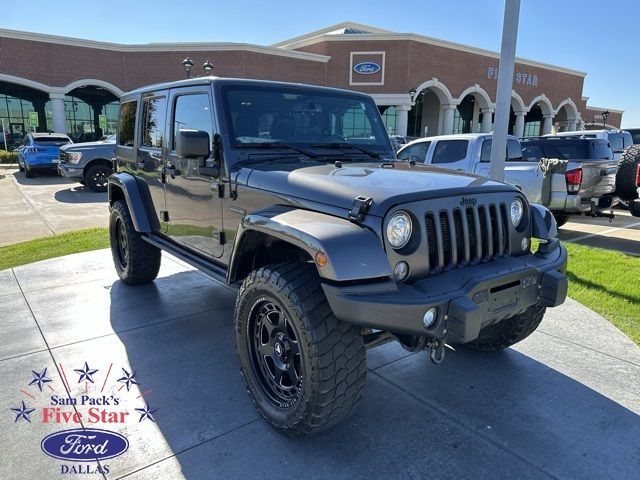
[{"x": 567, "y": 187}]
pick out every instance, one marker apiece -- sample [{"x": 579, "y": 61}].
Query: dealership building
[{"x": 422, "y": 85}]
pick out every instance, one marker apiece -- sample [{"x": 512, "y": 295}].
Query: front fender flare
[{"x": 354, "y": 252}]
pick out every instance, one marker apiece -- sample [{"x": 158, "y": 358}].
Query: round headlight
[
  {"x": 517, "y": 209},
  {"x": 74, "y": 157},
  {"x": 399, "y": 229}
]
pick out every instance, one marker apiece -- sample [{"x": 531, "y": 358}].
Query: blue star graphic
[
  {"x": 128, "y": 379},
  {"x": 146, "y": 412},
  {"x": 23, "y": 412},
  {"x": 86, "y": 373},
  {"x": 40, "y": 378}
]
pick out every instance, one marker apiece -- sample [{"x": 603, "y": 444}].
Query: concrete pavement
[
  {"x": 564, "y": 403},
  {"x": 46, "y": 205}
]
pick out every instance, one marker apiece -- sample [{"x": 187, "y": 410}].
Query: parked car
[
  {"x": 402, "y": 140},
  {"x": 562, "y": 194},
  {"x": 589, "y": 170},
  {"x": 40, "y": 152},
  {"x": 335, "y": 245},
  {"x": 618, "y": 140},
  {"x": 635, "y": 135},
  {"x": 89, "y": 163}
]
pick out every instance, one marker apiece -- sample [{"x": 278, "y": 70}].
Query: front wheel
[
  {"x": 136, "y": 261},
  {"x": 634, "y": 208},
  {"x": 561, "y": 219},
  {"x": 29, "y": 173},
  {"x": 303, "y": 368},
  {"x": 96, "y": 177},
  {"x": 509, "y": 331}
]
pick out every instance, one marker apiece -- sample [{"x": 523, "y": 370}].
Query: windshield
[
  {"x": 258, "y": 115},
  {"x": 51, "y": 140}
]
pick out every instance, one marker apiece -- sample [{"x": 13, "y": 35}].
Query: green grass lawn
[
  {"x": 607, "y": 282},
  {"x": 55, "y": 246},
  {"x": 603, "y": 280}
]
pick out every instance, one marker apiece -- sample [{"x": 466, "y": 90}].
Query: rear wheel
[
  {"x": 626, "y": 187},
  {"x": 561, "y": 219},
  {"x": 28, "y": 172},
  {"x": 96, "y": 177},
  {"x": 303, "y": 368},
  {"x": 20, "y": 167},
  {"x": 136, "y": 261},
  {"x": 509, "y": 331}
]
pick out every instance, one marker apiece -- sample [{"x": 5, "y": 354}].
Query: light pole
[
  {"x": 604, "y": 115},
  {"x": 207, "y": 67},
  {"x": 505, "y": 87},
  {"x": 188, "y": 64}
]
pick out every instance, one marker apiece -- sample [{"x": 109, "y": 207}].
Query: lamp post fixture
[
  {"x": 412, "y": 94},
  {"x": 207, "y": 67},
  {"x": 188, "y": 64},
  {"x": 604, "y": 115}
]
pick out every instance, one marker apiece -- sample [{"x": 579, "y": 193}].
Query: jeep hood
[{"x": 387, "y": 186}]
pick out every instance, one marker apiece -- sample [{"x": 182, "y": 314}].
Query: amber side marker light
[{"x": 321, "y": 259}]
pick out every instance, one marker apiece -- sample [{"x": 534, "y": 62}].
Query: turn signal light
[
  {"x": 574, "y": 179},
  {"x": 321, "y": 259}
]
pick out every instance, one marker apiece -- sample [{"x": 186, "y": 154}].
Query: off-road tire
[
  {"x": 561, "y": 219},
  {"x": 509, "y": 331},
  {"x": 331, "y": 352},
  {"x": 93, "y": 175},
  {"x": 28, "y": 172},
  {"x": 626, "y": 187},
  {"x": 136, "y": 261}
]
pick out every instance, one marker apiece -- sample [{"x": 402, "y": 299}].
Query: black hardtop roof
[{"x": 231, "y": 81}]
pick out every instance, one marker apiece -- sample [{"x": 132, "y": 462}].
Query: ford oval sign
[
  {"x": 84, "y": 445},
  {"x": 366, "y": 68}
]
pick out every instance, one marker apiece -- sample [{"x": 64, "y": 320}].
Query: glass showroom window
[
  {"x": 531, "y": 129},
  {"x": 389, "y": 118},
  {"x": 111, "y": 111},
  {"x": 14, "y": 117},
  {"x": 80, "y": 121}
]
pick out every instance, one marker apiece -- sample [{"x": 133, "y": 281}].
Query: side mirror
[{"x": 192, "y": 144}]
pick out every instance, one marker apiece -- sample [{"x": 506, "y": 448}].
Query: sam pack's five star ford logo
[
  {"x": 95, "y": 399},
  {"x": 366, "y": 68}
]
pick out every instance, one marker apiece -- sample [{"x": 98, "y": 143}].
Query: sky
[{"x": 600, "y": 38}]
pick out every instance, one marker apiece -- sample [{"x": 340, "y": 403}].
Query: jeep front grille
[{"x": 466, "y": 236}]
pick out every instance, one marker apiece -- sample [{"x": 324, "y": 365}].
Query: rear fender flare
[{"x": 136, "y": 193}]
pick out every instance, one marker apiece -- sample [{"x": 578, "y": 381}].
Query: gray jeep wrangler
[{"x": 293, "y": 193}]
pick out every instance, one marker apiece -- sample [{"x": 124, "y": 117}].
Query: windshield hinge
[{"x": 359, "y": 208}]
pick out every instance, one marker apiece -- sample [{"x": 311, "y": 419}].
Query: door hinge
[
  {"x": 164, "y": 215},
  {"x": 221, "y": 236},
  {"x": 359, "y": 208}
]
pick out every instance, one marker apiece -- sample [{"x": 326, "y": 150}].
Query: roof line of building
[
  {"x": 378, "y": 34},
  {"x": 161, "y": 47},
  {"x": 602, "y": 109}
]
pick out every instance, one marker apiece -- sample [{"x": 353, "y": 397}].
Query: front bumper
[
  {"x": 70, "y": 170},
  {"x": 467, "y": 299}
]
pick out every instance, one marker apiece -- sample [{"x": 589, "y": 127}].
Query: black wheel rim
[
  {"x": 122, "y": 244},
  {"x": 100, "y": 178},
  {"x": 275, "y": 352}
]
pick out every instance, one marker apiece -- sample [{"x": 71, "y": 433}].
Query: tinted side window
[
  {"x": 153, "y": 118},
  {"x": 449, "y": 151},
  {"x": 418, "y": 150},
  {"x": 599, "y": 150},
  {"x": 127, "y": 123},
  {"x": 616, "y": 140},
  {"x": 513, "y": 153},
  {"x": 532, "y": 152},
  {"x": 192, "y": 112}
]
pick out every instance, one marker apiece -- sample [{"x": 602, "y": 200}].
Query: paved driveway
[
  {"x": 562, "y": 404},
  {"x": 46, "y": 205}
]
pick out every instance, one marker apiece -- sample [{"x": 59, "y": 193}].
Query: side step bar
[{"x": 202, "y": 264}]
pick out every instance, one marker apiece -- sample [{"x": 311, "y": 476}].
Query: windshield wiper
[
  {"x": 278, "y": 145},
  {"x": 347, "y": 145}
]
